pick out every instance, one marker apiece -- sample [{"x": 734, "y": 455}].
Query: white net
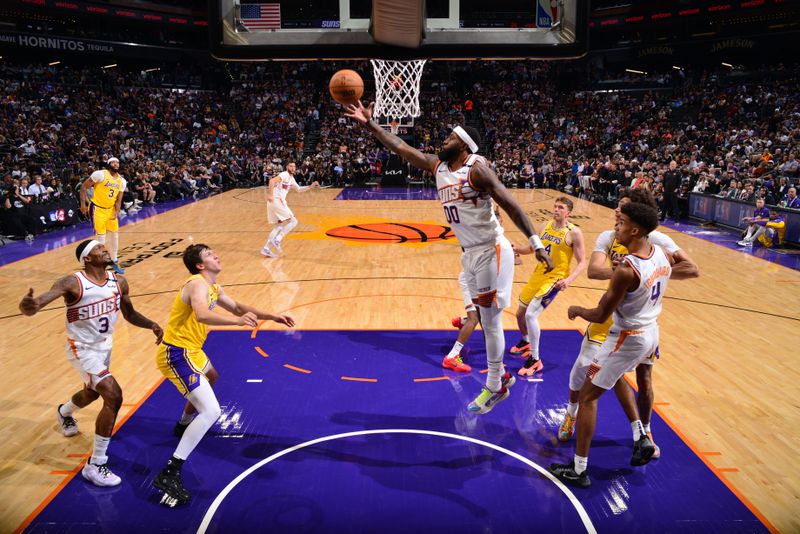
[{"x": 397, "y": 88}]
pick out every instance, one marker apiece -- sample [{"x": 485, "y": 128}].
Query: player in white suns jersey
[
  {"x": 634, "y": 298},
  {"x": 93, "y": 298},
  {"x": 607, "y": 253},
  {"x": 466, "y": 187},
  {"x": 278, "y": 212}
]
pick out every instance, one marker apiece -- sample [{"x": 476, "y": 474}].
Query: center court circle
[{"x": 576, "y": 504}]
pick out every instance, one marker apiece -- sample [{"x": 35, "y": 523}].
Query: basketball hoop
[{"x": 397, "y": 89}]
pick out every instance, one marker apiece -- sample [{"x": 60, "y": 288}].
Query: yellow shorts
[
  {"x": 539, "y": 287},
  {"x": 182, "y": 366},
  {"x": 103, "y": 219},
  {"x": 598, "y": 332}
]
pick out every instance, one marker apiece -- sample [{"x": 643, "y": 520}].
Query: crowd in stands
[{"x": 725, "y": 133}]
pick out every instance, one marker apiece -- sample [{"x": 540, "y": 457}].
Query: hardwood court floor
[{"x": 726, "y": 381}]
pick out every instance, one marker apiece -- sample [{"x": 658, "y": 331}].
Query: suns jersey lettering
[
  {"x": 281, "y": 189},
  {"x": 468, "y": 211},
  {"x": 555, "y": 243},
  {"x": 106, "y": 188},
  {"x": 92, "y": 317},
  {"x": 641, "y": 307},
  {"x": 183, "y": 328}
]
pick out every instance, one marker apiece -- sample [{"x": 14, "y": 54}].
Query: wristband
[{"x": 536, "y": 243}]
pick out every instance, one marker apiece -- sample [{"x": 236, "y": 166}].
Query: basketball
[{"x": 346, "y": 86}]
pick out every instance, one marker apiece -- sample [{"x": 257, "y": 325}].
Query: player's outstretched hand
[
  {"x": 248, "y": 319},
  {"x": 28, "y": 304},
  {"x": 158, "y": 332},
  {"x": 573, "y": 312},
  {"x": 314, "y": 184},
  {"x": 358, "y": 112},
  {"x": 561, "y": 285},
  {"x": 545, "y": 258},
  {"x": 284, "y": 319}
]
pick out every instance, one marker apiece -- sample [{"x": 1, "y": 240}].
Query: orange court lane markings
[
  {"x": 431, "y": 379},
  {"x": 298, "y": 369},
  {"x": 71, "y": 474},
  {"x": 719, "y": 472},
  {"x": 357, "y": 379}
]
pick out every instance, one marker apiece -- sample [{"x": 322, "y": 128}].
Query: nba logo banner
[{"x": 546, "y": 13}]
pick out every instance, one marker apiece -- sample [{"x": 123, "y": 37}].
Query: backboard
[{"x": 454, "y": 29}]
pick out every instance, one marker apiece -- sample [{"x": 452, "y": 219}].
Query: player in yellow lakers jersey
[
  {"x": 562, "y": 240},
  {"x": 108, "y": 186},
  {"x": 181, "y": 359},
  {"x": 607, "y": 254}
]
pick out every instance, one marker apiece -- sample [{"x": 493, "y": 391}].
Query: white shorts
[
  {"x": 622, "y": 351},
  {"x": 278, "y": 211},
  {"x": 580, "y": 368},
  {"x": 587, "y": 355},
  {"x": 91, "y": 361},
  {"x": 489, "y": 273},
  {"x": 462, "y": 283}
]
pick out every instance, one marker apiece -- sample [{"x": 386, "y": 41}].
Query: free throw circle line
[{"x": 209, "y": 515}]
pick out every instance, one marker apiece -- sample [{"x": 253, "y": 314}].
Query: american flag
[{"x": 261, "y": 16}]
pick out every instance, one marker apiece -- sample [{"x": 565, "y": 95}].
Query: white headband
[
  {"x": 93, "y": 243},
  {"x": 112, "y": 159},
  {"x": 473, "y": 147}
]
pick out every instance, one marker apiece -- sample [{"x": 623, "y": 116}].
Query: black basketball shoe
[
  {"x": 566, "y": 474},
  {"x": 170, "y": 482},
  {"x": 643, "y": 450}
]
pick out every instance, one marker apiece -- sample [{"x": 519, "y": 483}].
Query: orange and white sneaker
[
  {"x": 657, "y": 454},
  {"x": 521, "y": 347},
  {"x": 567, "y": 428},
  {"x": 531, "y": 366},
  {"x": 456, "y": 363},
  {"x": 458, "y": 322}
]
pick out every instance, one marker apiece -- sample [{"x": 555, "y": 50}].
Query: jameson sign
[{"x": 31, "y": 41}]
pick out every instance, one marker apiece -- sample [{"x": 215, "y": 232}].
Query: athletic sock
[
  {"x": 68, "y": 408},
  {"x": 457, "y": 346},
  {"x": 525, "y": 338},
  {"x": 572, "y": 409},
  {"x": 100, "y": 447},
  {"x": 646, "y": 428},
  {"x": 581, "y": 463},
  {"x": 638, "y": 429}
]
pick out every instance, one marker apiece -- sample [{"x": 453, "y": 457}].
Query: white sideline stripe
[
  {"x": 587, "y": 522},
  {"x": 254, "y": 380}
]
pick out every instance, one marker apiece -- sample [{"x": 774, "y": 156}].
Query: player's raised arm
[
  {"x": 485, "y": 179},
  {"x": 363, "y": 115},
  {"x": 133, "y": 316},
  {"x": 196, "y": 295},
  {"x": 67, "y": 287},
  {"x": 240, "y": 309}
]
